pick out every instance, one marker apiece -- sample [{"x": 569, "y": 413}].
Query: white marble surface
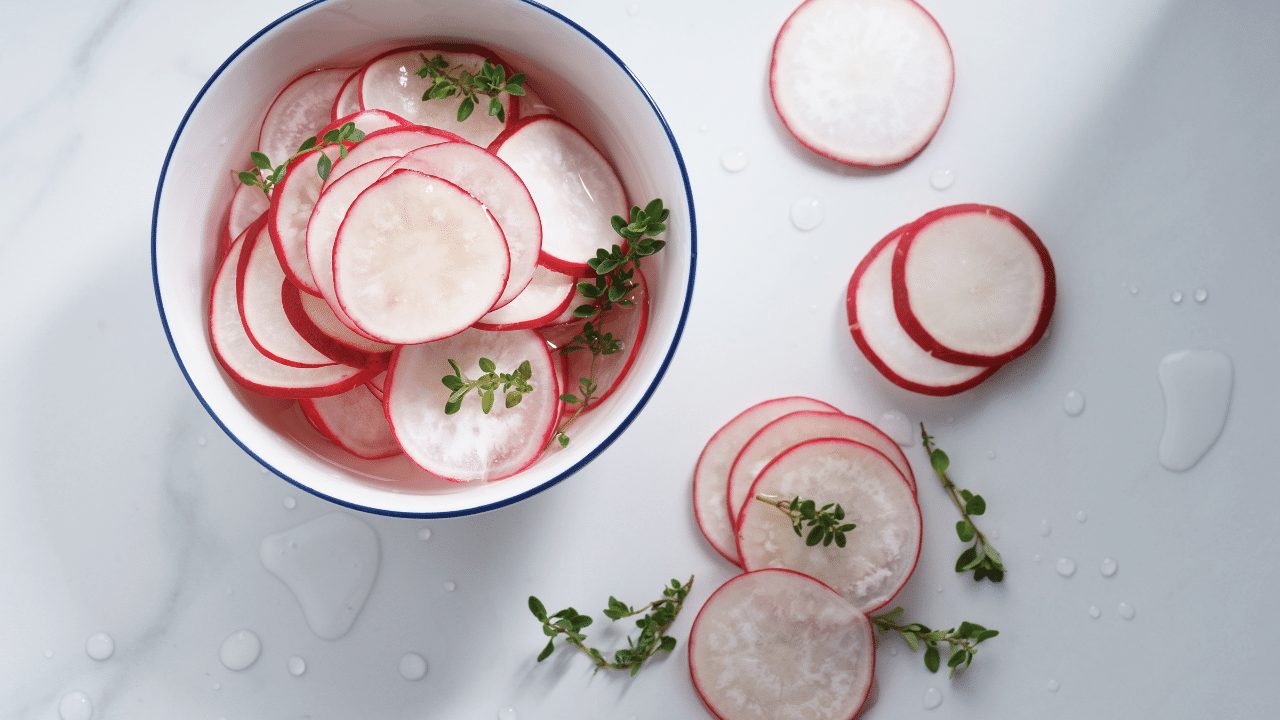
[{"x": 1138, "y": 138}]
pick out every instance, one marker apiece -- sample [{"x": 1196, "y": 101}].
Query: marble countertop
[{"x": 1138, "y": 138}]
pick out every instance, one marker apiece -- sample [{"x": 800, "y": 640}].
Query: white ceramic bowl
[{"x": 220, "y": 129}]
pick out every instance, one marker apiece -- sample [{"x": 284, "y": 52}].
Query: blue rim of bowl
[{"x": 626, "y": 422}]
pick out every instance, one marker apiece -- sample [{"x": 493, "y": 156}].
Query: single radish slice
[
  {"x": 863, "y": 82},
  {"x": 391, "y": 82},
  {"x": 292, "y": 202},
  {"x": 470, "y": 445},
  {"x": 329, "y": 336},
  {"x": 973, "y": 284},
  {"x": 320, "y": 314},
  {"x": 354, "y": 421},
  {"x": 348, "y": 100},
  {"x": 248, "y": 203},
  {"x": 531, "y": 103},
  {"x": 367, "y": 122},
  {"x": 417, "y": 259},
  {"x": 545, "y": 297},
  {"x": 258, "y": 282},
  {"x": 574, "y": 187},
  {"x": 873, "y": 322},
  {"x": 881, "y": 552},
  {"x": 495, "y": 184},
  {"x": 789, "y": 430},
  {"x": 711, "y": 474},
  {"x": 248, "y": 366},
  {"x": 388, "y": 142},
  {"x": 302, "y": 108},
  {"x": 777, "y": 644}
]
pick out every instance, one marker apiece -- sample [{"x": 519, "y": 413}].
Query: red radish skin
[
  {"x": 777, "y": 644},
  {"x": 873, "y": 323},
  {"x": 292, "y": 201},
  {"x": 332, "y": 345},
  {"x": 973, "y": 284},
  {"x": 258, "y": 281},
  {"x": 417, "y": 259},
  {"x": 882, "y": 550},
  {"x": 711, "y": 474},
  {"x": 392, "y": 142},
  {"x": 544, "y": 299},
  {"x": 354, "y": 421},
  {"x": 863, "y": 82},
  {"x": 299, "y": 110}
]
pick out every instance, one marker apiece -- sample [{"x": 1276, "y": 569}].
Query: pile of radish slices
[
  {"x": 791, "y": 637},
  {"x": 429, "y": 240},
  {"x": 941, "y": 303}
]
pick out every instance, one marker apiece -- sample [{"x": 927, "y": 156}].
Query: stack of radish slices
[
  {"x": 790, "y": 637},
  {"x": 430, "y": 240},
  {"x": 941, "y": 303}
]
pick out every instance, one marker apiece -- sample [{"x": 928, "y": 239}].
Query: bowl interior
[{"x": 220, "y": 130}]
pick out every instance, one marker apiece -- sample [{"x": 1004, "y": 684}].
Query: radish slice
[
  {"x": 388, "y": 142},
  {"x": 376, "y": 386},
  {"x": 249, "y": 367},
  {"x": 331, "y": 338},
  {"x": 319, "y": 313},
  {"x": 258, "y": 282},
  {"x": 881, "y": 552},
  {"x": 777, "y": 644},
  {"x": 863, "y": 82},
  {"x": 495, "y": 184},
  {"x": 248, "y": 203},
  {"x": 573, "y": 185},
  {"x": 302, "y": 107},
  {"x": 531, "y": 103},
  {"x": 789, "y": 430},
  {"x": 417, "y": 259},
  {"x": 873, "y": 322},
  {"x": 292, "y": 202},
  {"x": 711, "y": 474},
  {"x": 390, "y": 82},
  {"x": 470, "y": 445},
  {"x": 348, "y": 100},
  {"x": 972, "y": 284},
  {"x": 367, "y": 122},
  {"x": 354, "y": 421},
  {"x": 543, "y": 299}
]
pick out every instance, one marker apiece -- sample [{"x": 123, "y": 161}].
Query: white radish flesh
[
  {"x": 248, "y": 203},
  {"x": 574, "y": 187},
  {"x": 711, "y": 474},
  {"x": 389, "y": 142},
  {"x": 775, "y": 644},
  {"x": 258, "y": 291},
  {"x": 873, "y": 322},
  {"x": 470, "y": 445},
  {"x": 348, "y": 100},
  {"x": 864, "y": 82},
  {"x": 316, "y": 323},
  {"x": 417, "y": 259},
  {"x": 354, "y": 421},
  {"x": 973, "y": 284},
  {"x": 545, "y": 297},
  {"x": 881, "y": 552},
  {"x": 303, "y": 107}
]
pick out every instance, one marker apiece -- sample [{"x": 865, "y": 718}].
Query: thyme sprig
[
  {"x": 658, "y": 617},
  {"x": 513, "y": 385},
  {"x": 825, "y": 523},
  {"x": 980, "y": 557},
  {"x": 962, "y": 642},
  {"x": 490, "y": 82},
  {"x": 267, "y": 175}
]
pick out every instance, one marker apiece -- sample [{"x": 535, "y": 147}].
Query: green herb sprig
[
  {"x": 490, "y": 82},
  {"x": 981, "y": 557},
  {"x": 659, "y": 615},
  {"x": 825, "y": 523},
  {"x": 962, "y": 642},
  {"x": 513, "y": 385},
  {"x": 266, "y": 175}
]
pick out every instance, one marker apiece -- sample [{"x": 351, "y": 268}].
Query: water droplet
[
  {"x": 1066, "y": 567},
  {"x": 1197, "y": 394},
  {"x": 424, "y": 534},
  {"x": 1108, "y": 567},
  {"x": 1082, "y": 516},
  {"x": 507, "y": 713},
  {"x": 1133, "y": 290},
  {"x": 633, "y": 10},
  {"x": 734, "y": 160},
  {"x": 329, "y": 564},
  {"x": 240, "y": 650},
  {"x": 995, "y": 534},
  {"x": 449, "y": 586},
  {"x": 99, "y": 646},
  {"x": 932, "y": 698},
  {"x": 1052, "y": 685},
  {"x": 893, "y": 650},
  {"x": 413, "y": 666},
  {"x": 703, "y": 127},
  {"x": 217, "y": 686},
  {"x": 1126, "y": 611},
  {"x": 1036, "y": 557},
  {"x": 897, "y": 427},
  {"x": 296, "y": 666},
  {"x": 201, "y": 441},
  {"x": 289, "y": 502},
  {"x": 222, "y": 141},
  {"x": 806, "y": 213},
  {"x": 1201, "y": 295},
  {"x": 1045, "y": 528},
  {"x": 75, "y": 705},
  {"x": 942, "y": 178},
  {"x": 1094, "y": 612},
  {"x": 991, "y": 454},
  {"x": 939, "y": 588},
  {"x": 48, "y": 654},
  {"x": 1073, "y": 403},
  {"x": 1176, "y": 297}
]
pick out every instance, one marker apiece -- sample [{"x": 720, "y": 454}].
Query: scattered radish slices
[{"x": 864, "y": 82}]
